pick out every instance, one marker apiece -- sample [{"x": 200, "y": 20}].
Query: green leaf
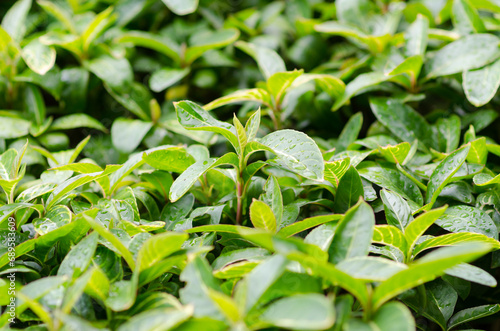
[
  {"x": 443, "y": 173},
  {"x": 416, "y": 37},
  {"x": 96, "y": 27},
  {"x": 397, "y": 210},
  {"x": 12, "y": 127},
  {"x": 59, "y": 13},
  {"x": 453, "y": 239},
  {"x": 403, "y": 121},
  {"x": 39, "y": 57},
  {"x": 349, "y": 191},
  {"x": 171, "y": 158},
  {"x": 157, "y": 247},
  {"x": 464, "y": 218},
  {"x": 358, "y": 84},
  {"x": 308, "y": 223},
  {"x": 426, "y": 269},
  {"x": 333, "y": 275},
  {"x": 471, "y": 314},
  {"x": 397, "y": 153},
  {"x": 74, "y": 121},
  {"x": 79, "y": 258},
  {"x": 262, "y": 216},
  {"x": 472, "y": 274},
  {"x": 184, "y": 182},
  {"x": 481, "y": 85},
  {"x": 392, "y": 179},
  {"x": 255, "y": 94},
  {"x": 279, "y": 82},
  {"x": 258, "y": 281},
  {"x": 181, "y": 7},
  {"x": 391, "y": 236},
  {"x": 370, "y": 268},
  {"x": 350, "y": 132},
  {"x": 117, "y": 73},
  {"x": 161, "y": 44},
  {"x": 273, "y": 198},
  {"x": 111, "y": 238},
  {"x": 127, "y": 134},
  {"x": 14, "y": 19},
  {"x": 335, "y": 170},
  {"x": 456, "y": 57},
  {"x": 478, "y": 152},
  {"x": 396, "y": 316},
  {"x": 466, "y": 18},
  {"x": 166, "y": 77},
  {"x": 208, "y": 40},
  {"x": 448, "y": 132},
  {"x": 353, "y": 234},
  {"x": 296, "y": 151},
  {"x": 70, "y": 184},
  {"x": 193, "y": 117},
  {"x": 269, "y": 61},
  {"x": 300, "y": 312},
  {"x": 417, "y": 228}
]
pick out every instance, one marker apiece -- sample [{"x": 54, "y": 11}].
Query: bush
[{"x": 163, "y": 167}]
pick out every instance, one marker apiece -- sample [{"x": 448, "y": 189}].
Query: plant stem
[{"x": 239, "y": 199}]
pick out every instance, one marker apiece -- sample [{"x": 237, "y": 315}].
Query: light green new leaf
[
  {"x": 335, "y": 170},
  {"x": 300, "y": 312},
  {"x": 184, "y": 182},
  {"x": 157, "y": 319},
  {"x": 391, "y": 236},
  {"x": 59, "y": 13},
  {"x": 353, "y": 234},
  {"x": 481, "y": 85},
  {"x": 426, "y": 269},
  {"x": 465, "y": 18},
  {"x": 457, "y": 57},
  {"x": 419, "y": 225},
  {"x": 297, "y": 152},
  {"x": 308, "y": 223},
  {"x": 478, "y": 152},
  {"x": 193, "y": 117},
  {"x": 397, "y": 153},
  {"x": 471, "y": 314},
  {"x": 444, "y": 172},
  {"x": 255, "y": 94},
  {"x": 158, "y": 247},
  {"x": 279, "y": 82},
  {"x": 39, "y": 57},
  {"x": 262, "y": 216}
]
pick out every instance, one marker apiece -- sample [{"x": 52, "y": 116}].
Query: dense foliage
[{"x": 247, "y": 165}]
